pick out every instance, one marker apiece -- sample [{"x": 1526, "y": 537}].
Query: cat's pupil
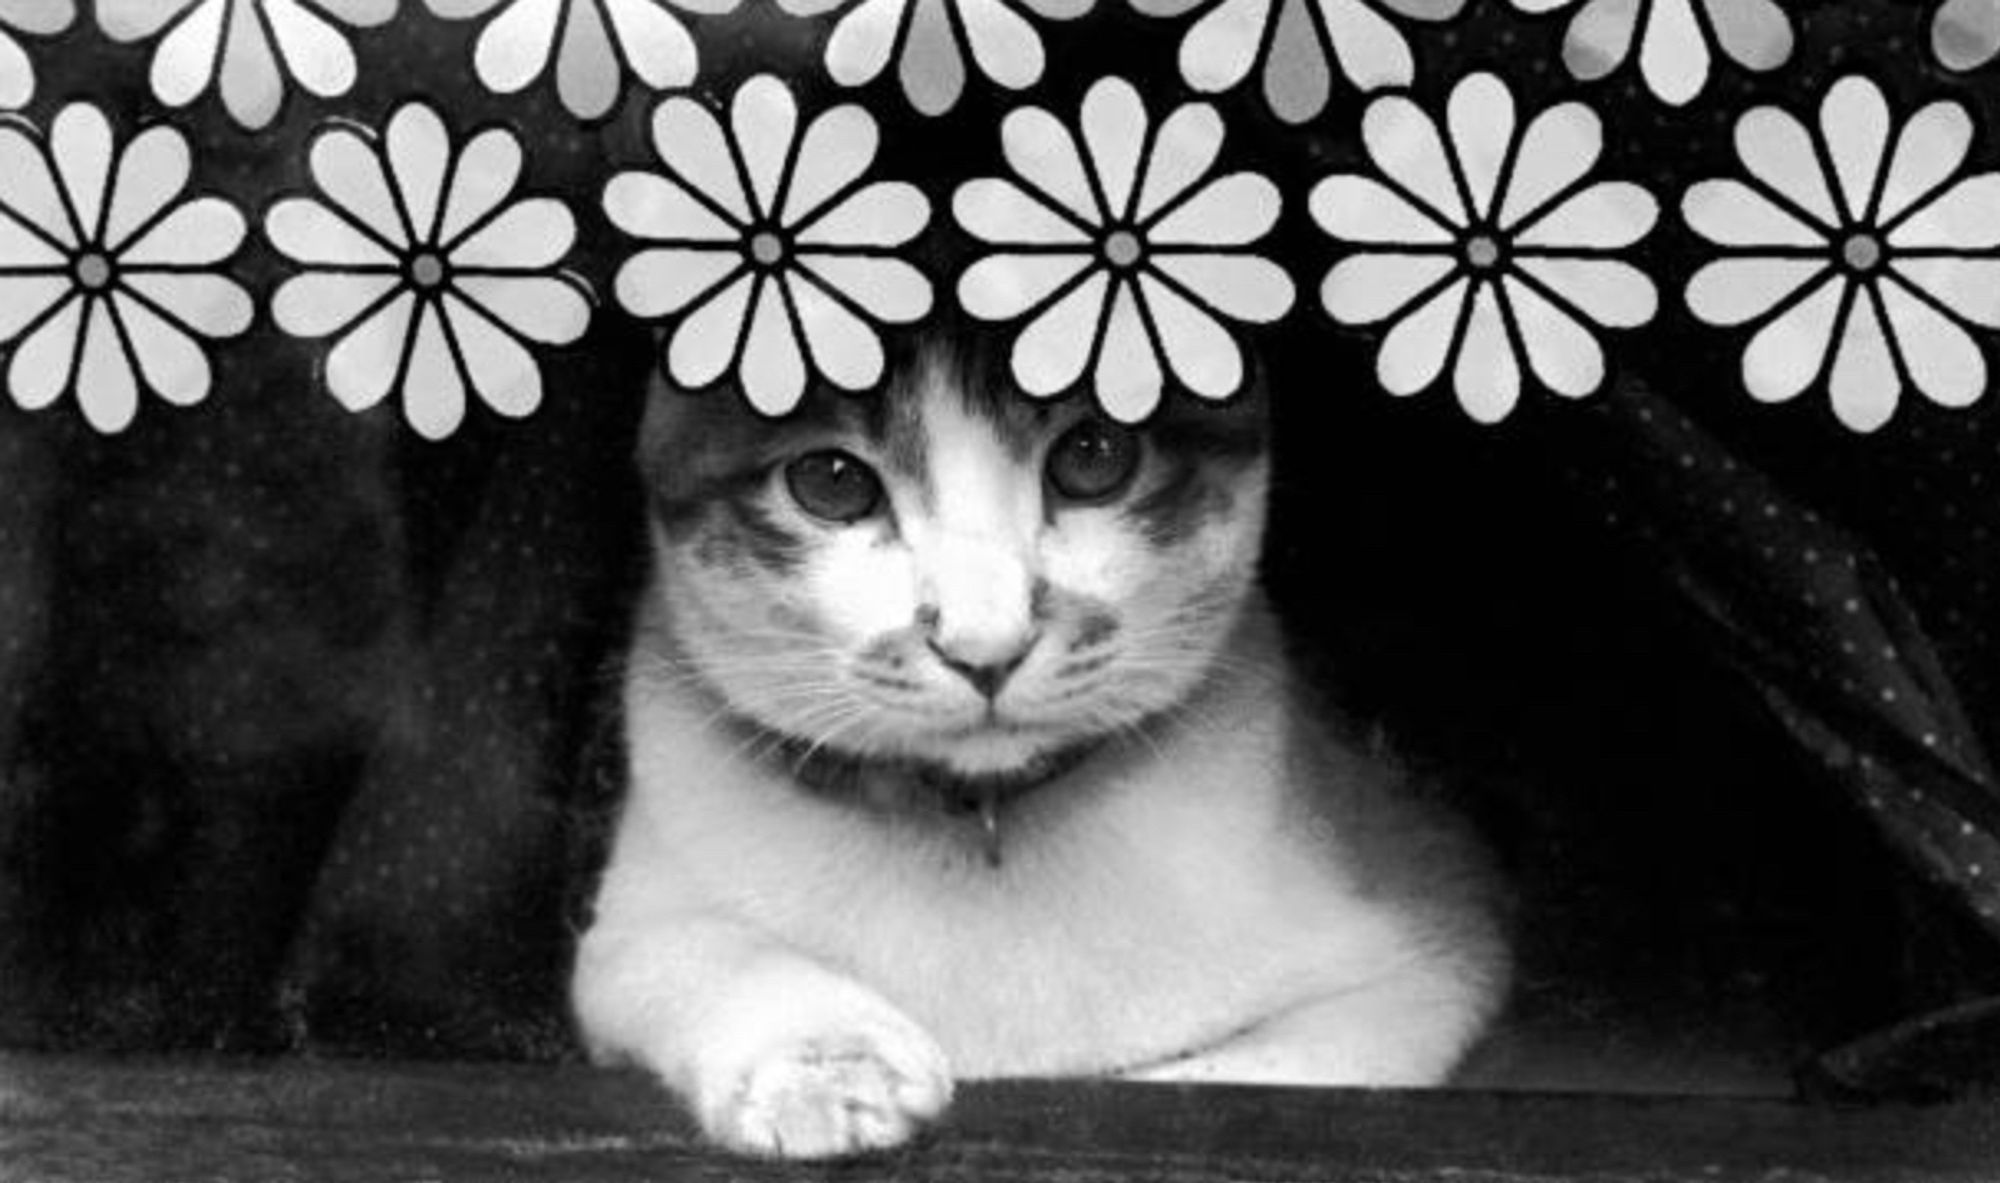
[
  {"x": 1093, "y": 461},
  {"x": 833, "y": 485}
]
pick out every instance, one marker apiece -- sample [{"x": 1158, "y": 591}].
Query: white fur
[{"x": 1225, "y": 892}]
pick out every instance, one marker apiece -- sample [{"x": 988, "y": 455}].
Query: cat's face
[{"x": 948, "y": 572}]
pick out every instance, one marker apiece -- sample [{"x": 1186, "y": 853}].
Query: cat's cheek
[
  {"x": 1092, "y": 556},
  {"x": 862, "y": 588}
]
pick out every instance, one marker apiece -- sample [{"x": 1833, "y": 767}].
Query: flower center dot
[
  {"x": 1862, "y": 251},
  {"x": 427, "y": 270},
  {"x": 93, "y": 271},
  {"x": 766, "y": 248},
  {"x": 1122, "y": 248},
  {"x": 1482, "y": 251}
]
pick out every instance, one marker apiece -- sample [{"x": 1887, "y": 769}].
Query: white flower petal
[
  {"x": 205, "y": 302},
  {"x": 1114, "y": 131},
  {"x": 1865, "y": 384},
  {"x": 361, "y": 13},
  {"x": 106, "y": 388},
  {"x": 589, "y": 75},
  {"x": 647, "y": 205},
  {"x": 1127, "y": 378},
  {"x": 1487, "y": 377},
  {"x": 1965, "y": 217},
  {"x": 1731, "y": 213},
  {"x": 1404, "y": 144},
  {"x": 1228, "y": 211},
  {"x": 515, "y": 46},
  {"x": 17, "y": 74},
  {"x": 1854, "y": 126},
  {"x": 487, "y": 170},
  {"x": 418, "y": 149},
  {"x": 500, "y": 370},
  {"x": 1673, "y": 57},
  {"x": 1050, "y": 354},
  {"x": 883, "y": 214},
  {"x": 458, "y": 10},
  {"x": 1611, "y": 292},
  {"x": 1787, "y": 354},
  {"x": 1219, "y": 50},
  {"x": 843, "y": 346},
  {"x": 1200, "y": 351},
  {"x": 1480, "y": 114},
  {"x": 152, "y": 171},
  {"x": 1756, "y": 33},
  {"x": 25, "y": 297},
  {"x": 1059, "y": 10},
  {"x": 837, "y": 149},
  {"x": 251, "y": 82},
  {"x": 28, "y": 187},
  {"x": 862, "y": 41},
  {"x": 659, "y": 47},
  {"x": 995, "y": 210},
  {"x": 307, "y": 232},
  {"x": 1777, "y": 150},
  {"x": 1004, "y": 45},
  {"x": 1371, "y": 52},
  {"x": 1368, "y": 288},
  {"x": 315, "y": 53},
  {"x": 705, "y": 343},
  {"x": 539, "y": 307},
  {"x": 1929, "y": 149},
  {"x": 662, "y": 281},
  {"x": 1968, "y": 286},
  {"x": 1607, "y": 214},
  {"x": 932, "y": 73},
  {"x": 362, "y": 366},
  {"x": 528, "y": 235},
  {"x": 1184, "y": 150},
  {"x": 41, "y": 367},
  {"x": 1363, "y": 209},
  {"x": 185, "y": 60},
  {"x": 349, "y": 172},
  {"x": 433, "y": 391},
  {"x": 203, "y": 231},
  {"x": 1943, "y": 361},
  {"x": 21, "y": 250},
  {"x": 1562, "y": 353},
  {"x": 892, "y": 290},
  {"x": 1965, "y": 34},
  {"x": 1732, "y": 291},
  {"x": 173, "y": 365},
  {"x": 1003, "y": 286},
  {"x": 80, "y": 146},
  {"x": 772, "y": 371},
  {"x": 1559, "y": 146},
  {"x": 690, "y": 142},
  {"x": 764, "y": 118},
  {"x": 1297, "y": 78},
  {"x": 128, "y": 20},
  {"x": 1039, "y": 149},
  {"x": 319, "y": 303},
  {"x": 1599, "y": 37},
  {"x": 1415, "y": 350},
  {"x": 1241, "y": 287}
]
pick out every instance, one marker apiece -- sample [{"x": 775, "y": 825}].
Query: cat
[{"x": 963, "y": 744}]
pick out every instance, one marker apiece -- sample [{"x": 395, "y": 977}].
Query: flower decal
[
  {"x": 769, "y": 244},
  {"x": 109, "y": 275},
  {"x": 1295, "y": 40},
  {"x": 36, "y": 18},
  {"x": 1965, "y": 34},
  {"x": 1496, "y": 245},
  {"x": 593, "y": 43},
  {"x": 251, "y": 45},
  {"x": 1674, "y": 39},
  {"x": 1123, "y": 256},
  {"x": 434, "y": 275},
  {"x": 1857, "y": 242},
  {"x": 930, "y": 39}
]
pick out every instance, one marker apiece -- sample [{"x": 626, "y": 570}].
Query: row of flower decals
[
  {"x": 39, "y": 18},
  {"x": 770, "y": 244},
  {"x": 431, "y": 273},
  {"x": 1856, "y": 247}
]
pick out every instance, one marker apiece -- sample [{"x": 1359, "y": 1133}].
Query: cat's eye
[
  {"x": 1093, "y": 461},
  {"x": 833, "y": 485}
]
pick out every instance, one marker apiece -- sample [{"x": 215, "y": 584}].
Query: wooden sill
[{"x": 102, "y": 1121}]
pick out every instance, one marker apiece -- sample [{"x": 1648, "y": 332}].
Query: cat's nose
[{"x": 986, "y": 667}]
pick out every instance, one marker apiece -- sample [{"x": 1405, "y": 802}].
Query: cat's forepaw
[{"x": 835, "y": 1094}]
